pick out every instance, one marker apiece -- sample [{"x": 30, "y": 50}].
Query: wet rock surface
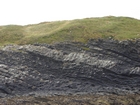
[{"x": 98, "y": 67}]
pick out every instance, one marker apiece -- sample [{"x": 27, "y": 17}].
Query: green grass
[{"x": 79, "y": 30}]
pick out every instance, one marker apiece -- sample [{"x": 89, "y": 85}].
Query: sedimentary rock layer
[{"x": 99, "y": 66}]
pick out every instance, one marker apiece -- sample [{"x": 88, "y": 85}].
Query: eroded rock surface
[{"x": 100, "y": 66}]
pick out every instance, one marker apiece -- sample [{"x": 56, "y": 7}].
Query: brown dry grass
[{"x": 130, "y": 99}]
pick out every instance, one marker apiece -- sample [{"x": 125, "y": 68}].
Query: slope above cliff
[{"x": 81, "y": 30}]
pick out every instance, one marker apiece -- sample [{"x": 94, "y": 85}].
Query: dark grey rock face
[{"x": 100, "y": 66}]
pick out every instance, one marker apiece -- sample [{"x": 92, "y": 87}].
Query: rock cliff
[{"x": 99, "y": 66}]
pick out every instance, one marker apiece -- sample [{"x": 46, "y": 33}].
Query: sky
[{"x": 23, "y": 12}]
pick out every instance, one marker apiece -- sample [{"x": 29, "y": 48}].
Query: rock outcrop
[{"x": 100, "y": 66}]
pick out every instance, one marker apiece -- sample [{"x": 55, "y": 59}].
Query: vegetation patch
[
  {"x": 79, "y": 30},
  {"x": 74, "y": 100}
]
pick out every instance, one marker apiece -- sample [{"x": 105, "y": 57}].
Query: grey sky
[{"x": 24, "y": 12}]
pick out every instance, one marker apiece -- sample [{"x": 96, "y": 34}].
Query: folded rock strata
[{"x": 100, "y": 66}]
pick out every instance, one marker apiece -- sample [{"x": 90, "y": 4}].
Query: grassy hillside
[{"x": 121, "y": 28}]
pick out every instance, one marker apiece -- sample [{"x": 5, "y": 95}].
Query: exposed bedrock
[{"x": 100, "y": 66}]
